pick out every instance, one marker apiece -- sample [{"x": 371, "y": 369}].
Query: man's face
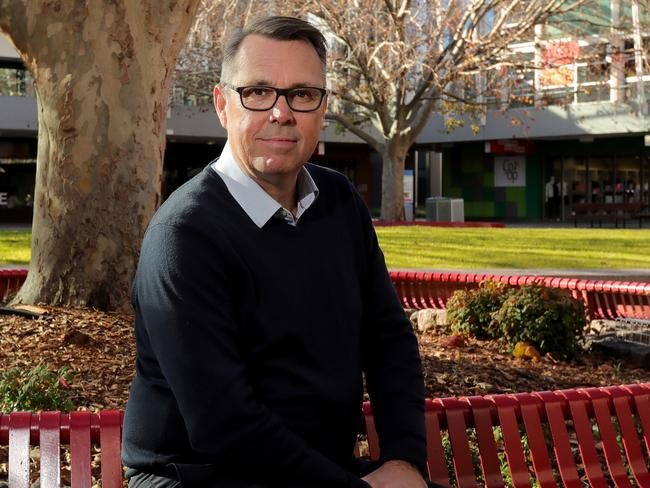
[{"x": 273, "y": 145}]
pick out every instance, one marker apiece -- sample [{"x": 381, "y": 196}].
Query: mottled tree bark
[
  {"x": 102, "y": 71},
  {"x": 392, "y": 180}
]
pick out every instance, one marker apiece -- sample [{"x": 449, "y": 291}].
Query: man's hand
[{"x": 395, "y": 474}]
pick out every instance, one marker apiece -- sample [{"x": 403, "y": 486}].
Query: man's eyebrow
[{"x": 261, "y": 82}]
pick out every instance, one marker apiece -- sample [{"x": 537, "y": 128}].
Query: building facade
[
  {"x": 573, "y": 126},
  {"x": 570, "y": 125}
]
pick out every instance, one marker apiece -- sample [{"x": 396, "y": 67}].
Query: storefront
[
  {"x": 533, "y": 180},
  {"x": 613, "y": 170}
]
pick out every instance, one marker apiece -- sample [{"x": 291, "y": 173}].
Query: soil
[{"x": 98, "y": 347}]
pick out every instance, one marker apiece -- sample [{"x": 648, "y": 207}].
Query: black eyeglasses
[{"x": 262, "y": 98}]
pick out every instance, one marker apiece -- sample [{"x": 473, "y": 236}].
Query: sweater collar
[{"x": 258, "y": 204}]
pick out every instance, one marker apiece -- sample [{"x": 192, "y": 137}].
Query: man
[{"x": 260, "y": 297}]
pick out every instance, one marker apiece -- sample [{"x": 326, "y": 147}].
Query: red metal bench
[
  {"x": 596, "y": 437},
  {"x": 559, "y": 427},
  {"x": 81, "y": 431}
]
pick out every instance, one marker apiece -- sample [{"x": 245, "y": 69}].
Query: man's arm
[
  {"x": 184, "y": 296},
  {"x": 392, "y": 365}
]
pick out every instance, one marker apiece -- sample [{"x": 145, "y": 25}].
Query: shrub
[
  {"x": 34, "y": 390},
  {"x": 547, "y": 318},
  {"x": 472, "y": 311}
]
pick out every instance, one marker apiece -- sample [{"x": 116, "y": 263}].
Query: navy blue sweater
[{"x": 251, "y": 342}]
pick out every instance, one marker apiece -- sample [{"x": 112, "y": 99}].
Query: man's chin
[{"x": 275, "y": 165}]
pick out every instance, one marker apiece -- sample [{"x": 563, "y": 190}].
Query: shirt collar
[{"x": 258, "y": 204}]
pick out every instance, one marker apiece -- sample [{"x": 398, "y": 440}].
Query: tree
[
  {"x": 199, "y": 64},
  {"x": 393, "y": 63},
  {"x": 102, "y": 72}
]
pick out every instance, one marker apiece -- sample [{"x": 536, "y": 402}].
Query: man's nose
[{"x": 281, "y": 112}]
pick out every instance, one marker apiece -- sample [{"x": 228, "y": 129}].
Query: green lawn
[
  {"x": 481, "y": 248},
  {"x": 474, "y": 248},
  {"x": 15, "y": 247}
]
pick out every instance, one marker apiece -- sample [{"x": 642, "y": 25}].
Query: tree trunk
[
  {"x": 102, "y": 72},
  {"x": 392, "y": 180}
]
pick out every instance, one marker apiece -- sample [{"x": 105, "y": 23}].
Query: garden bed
[{"x": 99, "y": 348}]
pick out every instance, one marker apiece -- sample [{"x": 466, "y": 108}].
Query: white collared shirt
[{"x": 259, "y": 205}]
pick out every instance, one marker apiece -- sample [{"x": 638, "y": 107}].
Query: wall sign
[{"x": 509, "y": 171}]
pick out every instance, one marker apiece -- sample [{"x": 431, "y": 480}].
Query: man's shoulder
[
  {"x": 330, "y": 183},
  {"x": 195, "y": 201},
  {"x": 328, "y": 175}
]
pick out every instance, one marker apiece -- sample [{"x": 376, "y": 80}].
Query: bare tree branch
[{"x": 350, "y": 125}]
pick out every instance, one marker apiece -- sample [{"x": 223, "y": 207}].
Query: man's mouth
[{"x": 277, "y": 139}]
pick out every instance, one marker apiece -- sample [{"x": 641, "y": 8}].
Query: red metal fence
[
  {"x": 417, "y": 289},
  {"x": 603, "y": 299}
]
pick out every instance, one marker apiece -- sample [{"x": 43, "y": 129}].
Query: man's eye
[
  {"x": 257, "y": 92},
  {"x": 303, "y": 94}
]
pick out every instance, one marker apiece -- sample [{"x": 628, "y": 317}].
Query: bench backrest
[
  {"x": 597, "y": 435},
  {"x": 590, "y": 426},
  {"x": 81, "y": 431}
]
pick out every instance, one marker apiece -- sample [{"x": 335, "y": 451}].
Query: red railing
[{"x": 604, "y": 299}]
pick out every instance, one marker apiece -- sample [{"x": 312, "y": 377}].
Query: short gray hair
[{"x": 278, "y": 28}]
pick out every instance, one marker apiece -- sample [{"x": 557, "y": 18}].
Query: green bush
[
  {"x": 35, "y": 390},
  {"x": 472, "y": 311},
  {"x": 547, "y": 318}
]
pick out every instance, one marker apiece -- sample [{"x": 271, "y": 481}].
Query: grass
[
  {"x": 472, "y": 248},
  {"x": 15, "y": 247},
  {"x": 484, "y": 248}
]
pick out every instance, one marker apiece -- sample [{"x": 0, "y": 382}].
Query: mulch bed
[{"x": 99, "y": 348}]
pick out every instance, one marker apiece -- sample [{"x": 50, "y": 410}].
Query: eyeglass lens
[{"x": 263, "y": 98}]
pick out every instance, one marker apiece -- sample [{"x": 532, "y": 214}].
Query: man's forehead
[{"x": 260, "y": 59}]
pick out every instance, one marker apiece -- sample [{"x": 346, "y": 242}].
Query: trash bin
[{"x": 442, "y": 209}]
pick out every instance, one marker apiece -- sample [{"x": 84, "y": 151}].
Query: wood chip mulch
[{"x": 99, "y": 348}]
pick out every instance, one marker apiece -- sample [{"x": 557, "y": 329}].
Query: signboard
[
  {"x": 558, "y": 60},
  {"x": 510, "y": 146},
  {"x": 408, "y": 186},
  {"x": 510, "y": 171},
  {"x": 408, "y": 193}
]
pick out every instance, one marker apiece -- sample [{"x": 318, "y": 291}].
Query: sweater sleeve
[
  {"x": 184, "y": 297},
  {"x": 392, "y": 365}
]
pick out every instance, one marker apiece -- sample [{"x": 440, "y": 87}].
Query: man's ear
[{"x": 219, "y": 98}]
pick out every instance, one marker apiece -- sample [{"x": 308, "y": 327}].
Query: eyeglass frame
[{"x": 279, "y": 92}]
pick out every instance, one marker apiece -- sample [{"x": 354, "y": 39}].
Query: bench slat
[
  {"x": 600, "y": 404},
  {"x": 490, "y": 465},
  {"x": 553, "y": 405},
  {"x": 630, "y": 438},
  {"x": 80, "y": 449},
  {"x": 373, "y": 439},
  {"x": 529, "y": 405},
  {"x": 436, "y": 461},
  {"x": 49, "y": 433},
  {"x": 110, "y": 424},
  {"x": 642, "y": 404},
  {"x": 586, "y": 441},
  {"x": 463, "y": 465},
  {"x": 19, "y": 431},
  {"x": 512, "y": 440}
]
